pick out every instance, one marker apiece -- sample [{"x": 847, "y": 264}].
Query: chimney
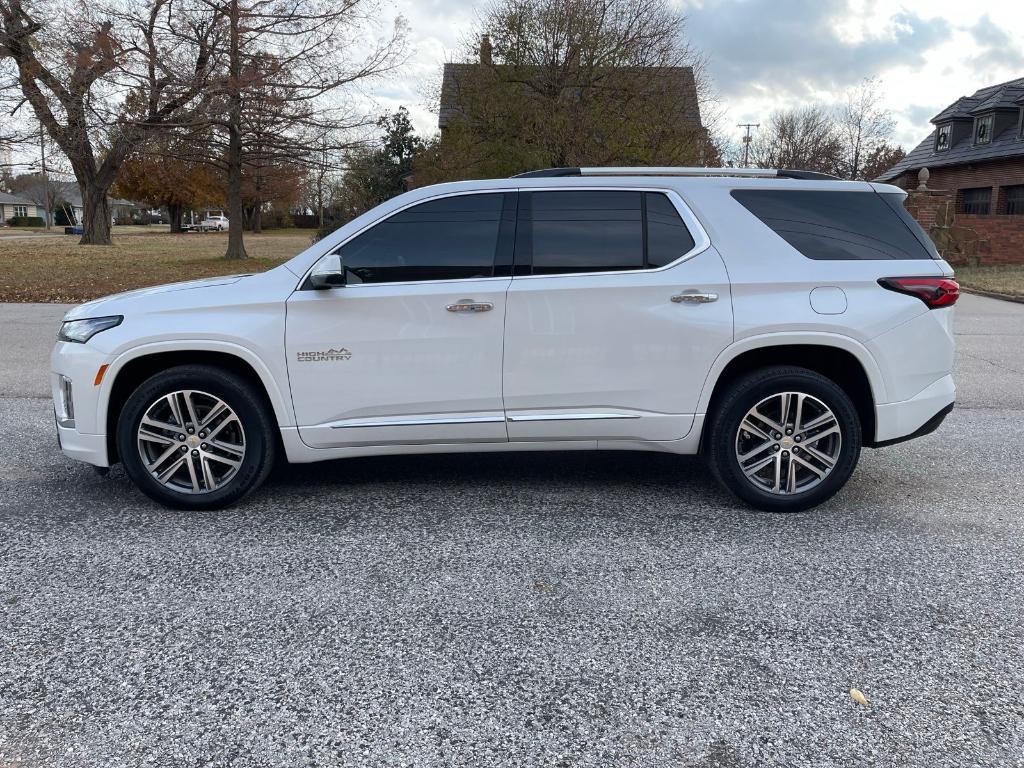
[{"x": 485, "y": 50}]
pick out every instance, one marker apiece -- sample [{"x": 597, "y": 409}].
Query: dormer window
[
  {"x": 942, "y": 138},
  {"x": 983, "y": 129}
]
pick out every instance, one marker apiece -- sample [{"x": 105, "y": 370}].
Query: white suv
[{"x": 773, "y": 321}]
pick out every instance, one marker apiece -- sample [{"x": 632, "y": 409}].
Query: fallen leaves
[{"x": 859, "y": 697}]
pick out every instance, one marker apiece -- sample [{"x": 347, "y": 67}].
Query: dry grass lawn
[
  {"x": 58, "y": 269},
  {"x": 1006, "y": 280}
]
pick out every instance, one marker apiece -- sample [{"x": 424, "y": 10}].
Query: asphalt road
[{"x": 529, "y": 610}]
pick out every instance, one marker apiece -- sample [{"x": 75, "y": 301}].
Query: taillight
[{"x": 935, "y": 292}]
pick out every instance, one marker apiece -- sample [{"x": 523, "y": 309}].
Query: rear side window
[
  {"x": 838, "y": 225},
  {"x": 578, "y": 231},
  {"x": 451, "y": 238},
  {"x": 585, "y": 231}
]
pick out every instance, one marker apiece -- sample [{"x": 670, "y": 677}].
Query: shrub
[{"x": 26, "y": 221}]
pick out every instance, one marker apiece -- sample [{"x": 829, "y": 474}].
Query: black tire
[
  {"x": 722, "y": 437},
  {"x": 239, "y": 395}
]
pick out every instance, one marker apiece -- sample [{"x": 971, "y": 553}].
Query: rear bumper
[{"x": 918, "y": 416}]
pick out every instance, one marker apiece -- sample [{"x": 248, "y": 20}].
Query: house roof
[
  {"x": 1005, "y": 96},
  {"x": 457, "y": 73},
  {"x": 70, "y": 192},
  {"x": 9, "y": 199}
]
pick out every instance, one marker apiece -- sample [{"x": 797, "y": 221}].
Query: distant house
[
  {"x": 966, "y": 179},
  {"x": 120, "y": 210},
  {"x": 12, "y": 206},
  {"x": 676, "y": 84}
]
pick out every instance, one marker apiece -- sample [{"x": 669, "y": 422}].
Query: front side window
[
  {"x": 983, "y": 130},
  {"x": 1014, "y": 197},
  {"x": 942, "y": 138},
  {"x": 451, "y": 238},
  {"x": 839, "y": 226},
  {"x": 579, "y": 231},
  {"x": 978, "y": 201}
]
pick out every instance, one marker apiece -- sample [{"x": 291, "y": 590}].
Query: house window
[
  {"x": 942, "y": 138},
  {"x": 1014, "y": 197},
  {"x": 977, "y": 200},
  {"x": 20, "y": 211},
  {"x": 983, "y": 129}
]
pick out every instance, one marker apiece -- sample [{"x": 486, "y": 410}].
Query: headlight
[{"x": 83, "y": 330}]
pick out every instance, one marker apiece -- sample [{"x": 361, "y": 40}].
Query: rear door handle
[
  {"x": 694, "y": 298},
  {"x": 465, "y": 305}
]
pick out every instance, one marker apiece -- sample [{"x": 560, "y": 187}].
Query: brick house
[
  {"x": 676, "y": 86},
  {"x": 966, "y": 180}
]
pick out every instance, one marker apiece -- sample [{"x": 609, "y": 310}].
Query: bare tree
[
  {"x": 102, "y": 80},
  {"x": 288, "y": 67},
  {"x": 806, "y": 138},
  {"x": 864, "y": 125}
]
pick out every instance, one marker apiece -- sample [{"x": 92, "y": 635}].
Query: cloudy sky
[{"x": 768, "y": 54}]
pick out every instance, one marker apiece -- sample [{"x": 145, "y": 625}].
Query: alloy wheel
[
  {"x": 788, "y": 443},
  {"x": 191, "y": 442}
]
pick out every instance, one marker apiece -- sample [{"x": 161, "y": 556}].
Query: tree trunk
[
  {"x": 175, "y": 214},
  {"x": 95, "y": 214},
  {"x": 257, "y": 218},
  {"x": 236, "y": 245}
]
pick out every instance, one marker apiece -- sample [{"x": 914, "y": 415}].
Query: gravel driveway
[{"x": 519, "y": 610}]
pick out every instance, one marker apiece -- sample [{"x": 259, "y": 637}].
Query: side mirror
[{"x": 329, "y": 273}]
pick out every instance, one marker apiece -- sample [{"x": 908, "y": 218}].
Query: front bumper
[
  {"x": 82, "y": 437},
  {"x": 92, "y": 449}
]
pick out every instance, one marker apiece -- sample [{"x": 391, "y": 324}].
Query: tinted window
[
  {"x": 835, "y": 225},
  {"x": 667, "y": 236},
  {"x": 599, "y": 231},
  {"x": 585, "y": 231},
  {"x": 447, "y": 239}
]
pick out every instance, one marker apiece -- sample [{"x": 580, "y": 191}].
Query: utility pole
[
  {"x": 747, "y": 139},
  {"x": 46, "y": 180}
]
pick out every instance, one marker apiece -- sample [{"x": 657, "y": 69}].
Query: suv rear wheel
[
  {"x": 784, "y": 439},
  {"x": 195, "y": 437}
]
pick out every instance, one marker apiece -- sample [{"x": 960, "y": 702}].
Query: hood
[{"x": 113, "y": 304}]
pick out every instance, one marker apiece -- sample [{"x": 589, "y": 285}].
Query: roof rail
[{"x": 750, "y": 173}]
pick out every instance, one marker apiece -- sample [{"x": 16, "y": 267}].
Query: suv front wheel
[
  {"x": 784, "y": 439},
  {"x": 196, "y": 437}
]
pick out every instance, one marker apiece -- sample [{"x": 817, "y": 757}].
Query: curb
[{"x": 994, "y": 295}]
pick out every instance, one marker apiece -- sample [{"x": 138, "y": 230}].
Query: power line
[{"x": 747, "y": 139}]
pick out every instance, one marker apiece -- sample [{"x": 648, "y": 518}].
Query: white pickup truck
[{"x": 214, "y": 224}]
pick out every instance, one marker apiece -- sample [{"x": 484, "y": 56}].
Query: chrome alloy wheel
[
  {"x": 788, "y": 443},
  {"x": 191, "y": 442}
]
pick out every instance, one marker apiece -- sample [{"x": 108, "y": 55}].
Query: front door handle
[
  {"x": 466, "y": 305},
  {"x": 695, "y": 298}
]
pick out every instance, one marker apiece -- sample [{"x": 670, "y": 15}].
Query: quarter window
[
  {"x": 942, "y": 138},
  {"x": 667, "y": 235},
  {"x": 839, "y": 225},
  {"x": 451, "y": 238},
  {"x": 579, "y": 231},
  {"x": 977, "y": 200}
]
